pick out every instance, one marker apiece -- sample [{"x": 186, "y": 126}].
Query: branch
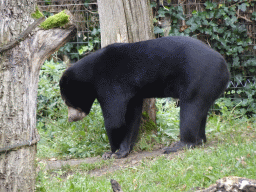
[
  {"x": 242, "y": 17},
  {"x": 22, "y": 36},
  {"x": 46, "y": 42}
]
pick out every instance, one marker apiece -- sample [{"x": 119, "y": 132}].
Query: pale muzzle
[{"x": 75, "y": 115}]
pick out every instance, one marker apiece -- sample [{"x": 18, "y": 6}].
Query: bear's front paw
[
  {"x": 120, "y": 154},
  {"x": 107, "y": 155},
  {"x": 178, "y": 146}
]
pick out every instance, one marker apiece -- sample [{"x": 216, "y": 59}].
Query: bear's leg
[
  {"x": 133, "y": 117},
  {"x": 114, "y": 108},
  {"x": 122, "y": 123},
  {"x": 202, "y": 135},
  {"x": 116, "y": 137},
  {"x": 192, "y": 125}
]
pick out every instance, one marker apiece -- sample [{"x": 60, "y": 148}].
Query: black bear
[{"x": 121, "y": 75}]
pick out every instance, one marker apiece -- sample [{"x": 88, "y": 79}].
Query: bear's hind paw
[{"x": 178, "y": 146}]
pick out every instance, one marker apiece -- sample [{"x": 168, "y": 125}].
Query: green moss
[
  {"x": 37, "y": 14},
  {"x": 145, "y": 115},
  {"x": 148, "y": 124},
  {"x": 57, "y": 20}
]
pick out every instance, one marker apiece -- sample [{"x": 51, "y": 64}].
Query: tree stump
[{"x": 21, "y": 57}]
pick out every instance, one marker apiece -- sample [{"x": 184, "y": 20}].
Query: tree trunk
[
  {"x": 127, "y": 21},
  {"x": 19, "y": 73}
]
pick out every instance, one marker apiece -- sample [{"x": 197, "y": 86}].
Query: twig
[{"x": 242, "y": 17}]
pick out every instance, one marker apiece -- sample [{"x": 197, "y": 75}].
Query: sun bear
[{"x": 121, "y": 75}]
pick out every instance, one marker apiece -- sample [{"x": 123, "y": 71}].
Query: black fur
[{"x": 122, "y": 74}]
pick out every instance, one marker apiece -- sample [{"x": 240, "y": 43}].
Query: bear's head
[{"x": 78, "y": 95}]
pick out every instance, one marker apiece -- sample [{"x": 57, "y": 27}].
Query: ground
[{"x": 132, "y": 160}]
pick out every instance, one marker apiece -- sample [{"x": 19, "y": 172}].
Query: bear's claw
[
  {"x": 117, "y": 155},
  {"x": 107, "y": 155}
]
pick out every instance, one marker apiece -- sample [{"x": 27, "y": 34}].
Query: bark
[
  {"x": 19, "y": 73},
  {"x": 127, "y": 21}
]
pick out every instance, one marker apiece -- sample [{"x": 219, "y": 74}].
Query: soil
[{"x": 133, "y": 159}]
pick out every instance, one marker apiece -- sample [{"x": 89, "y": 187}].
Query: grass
[
  {"x": 230, "y": 150},
  {"x": 63, "y": 140}
]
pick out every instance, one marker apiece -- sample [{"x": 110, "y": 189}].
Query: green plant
[
  {"x": 167, "y": 120},
  {"x": 243, "y": 100},
  {"x": 48, "y": 98},
  {"x": 81, "y": 45},
  {"x": 58, "y": 137},
  {"x": 92, "y": 42},
  {"x": 62, "y": 139}
]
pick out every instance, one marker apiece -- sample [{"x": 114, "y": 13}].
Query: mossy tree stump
[{"x": 23, "y": 50}]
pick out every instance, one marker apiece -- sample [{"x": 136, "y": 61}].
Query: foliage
[
  {"x": 147, "y": 124},
  {"x": 167, "y": 120},
  {"x": 93, "y": 39},
  {"x": 49, "y": 101},
  {"x": 57, "y": 20},
  {"x": 243, "y": 99},
  {"x": 167, "y": 126},
  {"x": 47, "y": 2},
  {"x": 220, "y": 26},
  {"x": 37, "y": 14},
  {"x": 81, "y": 45},
  {"x": 61, "y": 139},
  {"x": 58, "y": 137}
]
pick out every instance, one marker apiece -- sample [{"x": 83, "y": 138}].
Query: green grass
[
  {"x": 64, "y": 140},
  {"x": 230, "y": 150}
]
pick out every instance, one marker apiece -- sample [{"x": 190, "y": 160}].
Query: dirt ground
[{"x": 133, "y": 159}]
